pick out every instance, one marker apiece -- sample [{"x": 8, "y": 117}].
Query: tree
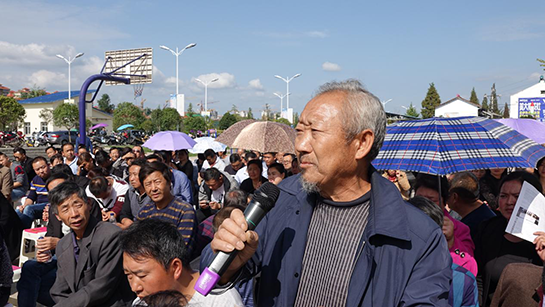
[
  {"x": 494, "y": 100},
  {"x": 296, "y": 118},
  {"x": 194, "y": 123},
  {"x": 128, "y": 113},
  {"x": 506, "y": 113},
  {"x": 155, "y": 117},
  {"x": 105, "y": 104},
  {"x": 234, "y": 109},
  {"x": 147, "y": 126},
  {"x": 171, "y": 120},
  {"x": 66, "y": 115},
  {"x": 484, "y": 105},
  {"x": 147, "y": 111},
  {"x": 35, "y": 91},
  {"x": 11, "y": 113},
  {"x": 190, "y": 110},
  {"x": 227, "y": 120},
  {"x": 411, "y": 111},
  {"x": 250, "y": 115},
  {"x": 431, "y": 102},
  {"x": 473, "y": 97},
  {"x": 542, "y": 63},
  {"x": 46, "y": 115}
]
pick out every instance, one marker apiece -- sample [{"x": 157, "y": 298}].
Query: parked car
[{"x": 61, "y": 137}]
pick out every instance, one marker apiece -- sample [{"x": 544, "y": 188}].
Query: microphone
[{"x": 262, "y": 202}]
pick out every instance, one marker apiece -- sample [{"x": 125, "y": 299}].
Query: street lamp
[
  {"x": 385, "y": 102},
  {"x": 69, "y": 62},
  {"x": 281, "y": 101},
  {"x": 206, "y": 91},
  {"x": 177, "y": 53},
  {"x": 287, "y": 80}
]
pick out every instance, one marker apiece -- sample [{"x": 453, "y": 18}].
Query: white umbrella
[{"x": 205, "y": 143}]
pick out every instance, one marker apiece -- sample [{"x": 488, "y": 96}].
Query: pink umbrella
[
  {"x": 169, "y": 140},
  {"x": 531, "y": 128}
]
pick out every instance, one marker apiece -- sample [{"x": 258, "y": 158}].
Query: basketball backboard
[{"x": 140, "y": 67}]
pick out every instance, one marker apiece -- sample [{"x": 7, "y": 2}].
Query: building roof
[
  {"x": 52, "y": 97},
  {"x": 459, "y": 98},
  {"x": 3, "y": 87},
  {"x": 103, "y": 112}
]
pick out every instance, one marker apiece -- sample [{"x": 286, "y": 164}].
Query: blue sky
[{"x": 396, "y": 48}]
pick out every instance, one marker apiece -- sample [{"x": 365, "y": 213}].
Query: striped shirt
[
  {"x": 177, "y": 212},
  {"x": 37, "y": 191},
  {"x": 331, "y": 250}
]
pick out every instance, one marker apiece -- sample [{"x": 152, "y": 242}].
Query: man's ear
[
  {"x": 363, "y": 142},
  {"x": 58, "y": 218},
  {"x": 176, "y": 268}
]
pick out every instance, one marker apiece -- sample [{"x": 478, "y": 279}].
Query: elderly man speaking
[{"x": 340, "y": 234}]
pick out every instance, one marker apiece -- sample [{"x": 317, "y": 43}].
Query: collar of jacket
[
  {"x": 67, "y": 256},
  {"x": 226, "y": 186},
  {"x": 386, "y": 211}
]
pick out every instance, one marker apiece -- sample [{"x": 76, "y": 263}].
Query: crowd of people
[
  {"x": 89, "y": 198},
  {"x": 129, "y": 228}
]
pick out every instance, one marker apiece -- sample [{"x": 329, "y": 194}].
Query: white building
[
  {"x": 529, "y": 102},
  {"x": 457, "y": 107},
  {"x": 33, "y": 106}
]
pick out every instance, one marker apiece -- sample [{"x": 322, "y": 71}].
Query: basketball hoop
[
  {"x": 137, "y": 86},
  {"x": 134, "y": 64}
]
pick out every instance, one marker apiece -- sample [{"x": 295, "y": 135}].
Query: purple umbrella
[
  {"x": 99, "y": 126},
  {"x": 531, "y": 128},
  {"x": 169, "y": 140}
]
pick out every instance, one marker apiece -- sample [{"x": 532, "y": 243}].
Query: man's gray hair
[
  {"x": 361, "y": 110},
  {"x": 62, "y": 192}
]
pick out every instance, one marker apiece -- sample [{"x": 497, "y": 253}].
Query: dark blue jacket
[{"x": 405, "y": 261}]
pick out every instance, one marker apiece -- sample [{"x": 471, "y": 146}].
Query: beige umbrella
[
  {"x": 266, "y": 137},
  {"x": 231, "y": 133}
]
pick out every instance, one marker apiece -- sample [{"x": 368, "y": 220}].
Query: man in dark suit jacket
[
  {"x": 38, "y": 276},
  {"x": 89, "y": 265}
]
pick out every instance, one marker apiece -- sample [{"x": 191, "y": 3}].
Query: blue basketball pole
[{"x": 110, "y": 76}]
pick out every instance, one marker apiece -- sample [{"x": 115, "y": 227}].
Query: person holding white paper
[{"x": 495, "y": 249}]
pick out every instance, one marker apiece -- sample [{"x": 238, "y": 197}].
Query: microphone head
[{"x": 267, "y": 195}]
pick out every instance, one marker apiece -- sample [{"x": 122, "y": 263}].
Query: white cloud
[
  {"x": 515, "y": 30},
  {"x": 50, "y": 22},
  {"x": 33, "y": 54},
  {"x": 46, "y": 78},
  {"x": 317, "y": 34},
  {"x": 171, "y": 80},
  {"x": 328, "y": 66},
  {"x": 256, "y": 84},
  {"x": 225, "y": 80},
  {"x": 535, "y": 76}
]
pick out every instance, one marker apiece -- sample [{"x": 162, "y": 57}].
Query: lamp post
[
  {"x": 287, "y": 80},
  {"x": 177, "y": 54},
  {"x": 281, "y": 101},
  {"x": 69, "y": 62},
  {"x": 206, "y": 91}
]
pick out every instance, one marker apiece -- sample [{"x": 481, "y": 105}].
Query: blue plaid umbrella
[{"x": 443, "y": 146}]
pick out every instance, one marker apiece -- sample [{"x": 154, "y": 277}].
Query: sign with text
[{"x": 532, "y": 107}]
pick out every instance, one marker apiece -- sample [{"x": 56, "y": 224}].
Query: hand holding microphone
[{"x": 235, "y": 242}]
